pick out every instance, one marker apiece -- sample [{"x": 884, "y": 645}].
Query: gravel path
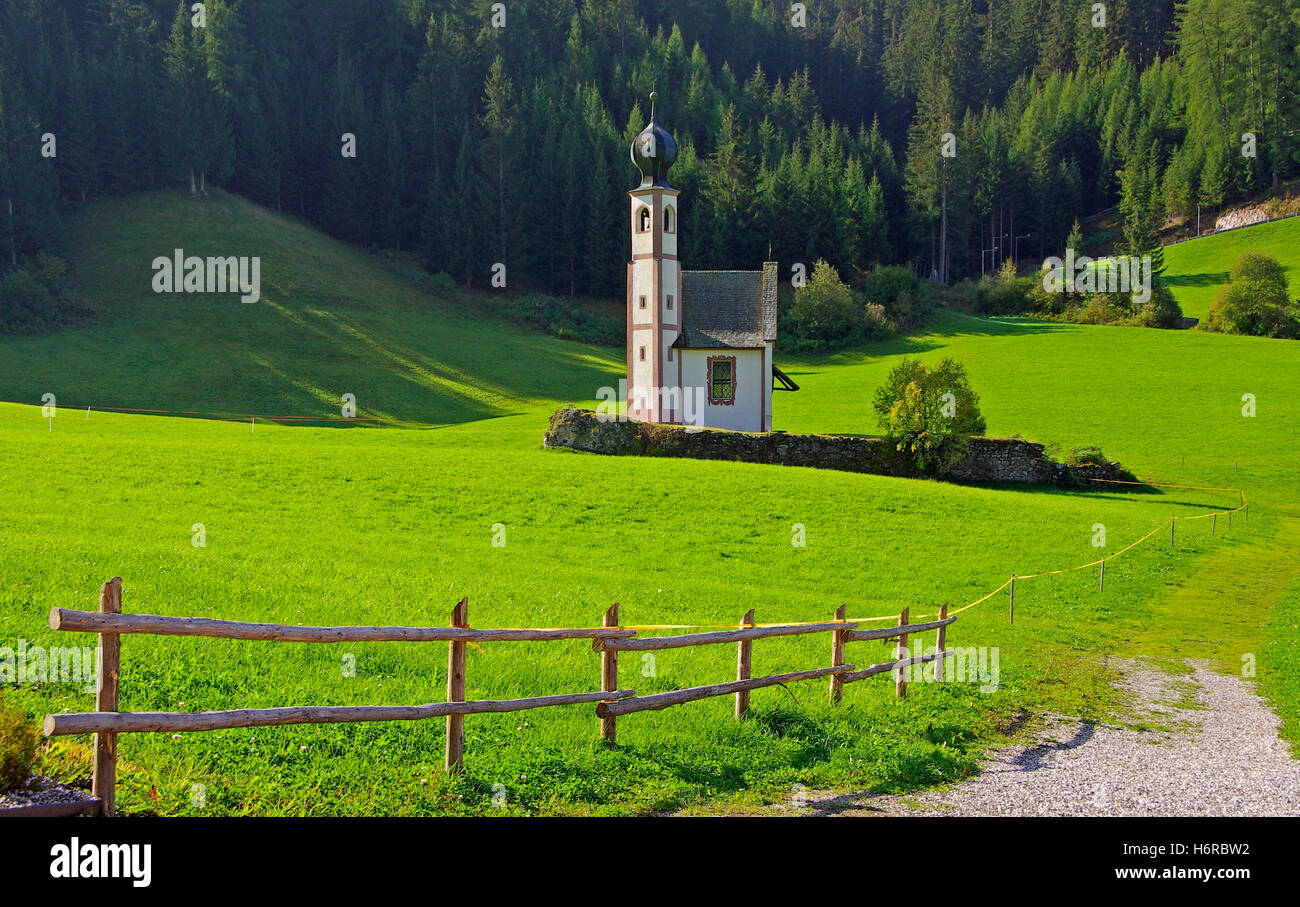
[
  {"x": 41, "y": 791},
  {"x": 1204, "y": 745}
]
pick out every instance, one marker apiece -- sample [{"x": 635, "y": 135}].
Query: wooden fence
[{"x": 106, "y": 722}]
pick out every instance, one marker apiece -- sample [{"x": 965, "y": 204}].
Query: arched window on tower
[
  {"x": 670, "y": 219},
  {"x": 643, "y": 220}
]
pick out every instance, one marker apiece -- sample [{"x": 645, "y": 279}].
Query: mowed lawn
[
  {"x": 1195, "y": 270},
  {"x": 324, "y": 525}
]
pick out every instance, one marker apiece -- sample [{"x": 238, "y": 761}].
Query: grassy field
[
  {"x": 393, "y": 525},
  {"x": 1196, "y": 269}
]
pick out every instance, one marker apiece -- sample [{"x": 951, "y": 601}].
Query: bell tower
[{"x": 654, "y": 282}]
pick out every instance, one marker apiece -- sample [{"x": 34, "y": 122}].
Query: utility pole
[{"x": 1016, "y": 250}]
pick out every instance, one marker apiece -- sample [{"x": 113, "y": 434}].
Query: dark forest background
[{"x": 477, "y": 144}]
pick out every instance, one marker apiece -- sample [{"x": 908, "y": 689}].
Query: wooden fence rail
[
  {"x": 106, "y": 722},
  {"x": 902, "y": 632},
  {"x": 891, "y": 632},
  {"x": 650, "y": 643},
  {"x": 158, "y": 722},
  {"x": 157, "y": 625}
]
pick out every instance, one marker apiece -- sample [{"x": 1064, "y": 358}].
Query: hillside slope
[
  {"x": 1197, "y": 268},
  {"x": 331, "y": 320}
]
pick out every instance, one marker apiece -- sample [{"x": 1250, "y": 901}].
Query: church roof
[{"x": 728, "y": 309}]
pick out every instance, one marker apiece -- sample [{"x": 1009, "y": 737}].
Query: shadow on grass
[
  {"x": 946, "y": 325},
  {"x": 808, "y": 742},
  {"x": 1206, "y": 279}
]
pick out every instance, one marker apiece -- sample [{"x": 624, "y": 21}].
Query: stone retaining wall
[{"x": 987, "y": 460}]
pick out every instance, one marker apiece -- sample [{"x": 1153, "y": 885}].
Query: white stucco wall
[
  {"x": 656, "y": 201},
  {"x": 670, "y": 239},
  {"x": 768, "y": 360},
  {"x": 752, "y": 376},
  {"x": 670, "y": 284}
]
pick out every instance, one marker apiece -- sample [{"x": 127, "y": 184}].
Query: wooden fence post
[
  {"x": 837, "y": 656},
  {"x": 1172, "y": 519},
  {"x": 940, "y": 642},
  {"x": 1214, "y": 522},
  {"x": 104, "y": 771},
  {"x": 900, "y": 679},
  {"x": 744, "y": 653},
  {"x": 1101, "y": 586},
  {"x": 1011, "y": 605},
  {"x": 609, "y": 676},
  {"x": 456, "y": 689}
]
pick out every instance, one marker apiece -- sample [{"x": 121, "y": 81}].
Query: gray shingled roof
[{"x": 728, "y": 309}]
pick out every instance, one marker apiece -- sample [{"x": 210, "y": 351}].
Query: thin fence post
[
  {"x": 456, "y": 689},
  {"x": 1214, "y": 523},
  {"x": 1011, "y": 603},
  {"x": 1246, "y": 511},
  {"x": 1172, "y": 520},
  {"x": 104, "y": 771},
  {"x": 900, "y": 678},
  {"x": 744, "y": 653},
  {"x": 837, "y": 657},
  {"x": 940, "y": 643},
  {"x": 1229, "y": 520},
  {"x": 1101, "y": 586},
  {"x": 609, "y": 676}
]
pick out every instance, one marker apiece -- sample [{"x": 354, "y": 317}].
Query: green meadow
[
  {"x": 1195, "y": 270},
  {"x": 322, "y": 524}
]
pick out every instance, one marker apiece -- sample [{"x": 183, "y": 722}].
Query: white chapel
[{"x": 699, "y": 343}]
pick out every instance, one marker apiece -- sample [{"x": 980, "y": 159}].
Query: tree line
[{"x": 944, "y": 135}]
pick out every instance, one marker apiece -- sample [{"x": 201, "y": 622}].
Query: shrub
[
  {"x": 1089, "y": 454},
  {"x": 1098, "y": 308},
  {"x": 36, "y": 297},
  {"x": 823, "y": 313},
  {"x": 960, "y": 295},
  {"x": 1040, "y": 301},
  {"x": 915, "y": 411},
  {"x": 894, "y": 288},
  {"x": 52, "y": 272},
  {"x": 1162, "y": 310},
  {"x": 1255, "y": 300},
  {"x": 441, "y": 282},
  {"x": 25, "y": 304},
  {"x": 18, "y": 742},
  {"x": 875, "y": 322},
  {"x": 1005, "y": 293}
]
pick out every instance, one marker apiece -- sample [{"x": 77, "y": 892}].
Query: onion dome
[{"x": 653, "y": 151}]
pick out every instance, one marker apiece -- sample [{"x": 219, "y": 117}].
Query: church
[{"x": 699, "y": 343}]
